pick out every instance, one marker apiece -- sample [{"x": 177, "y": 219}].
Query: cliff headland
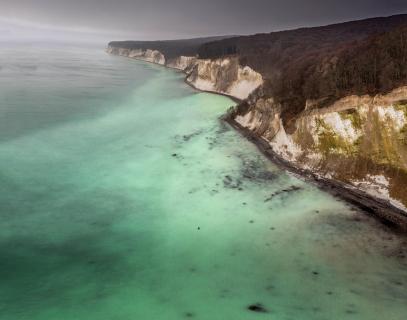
[{"x": 326, "y": 102}]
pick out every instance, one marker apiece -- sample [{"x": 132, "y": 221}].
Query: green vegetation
[
  {"x": 403, "y": 135},
  {"x": 330, "y": 142},
  {"x": 352, "y": 115},
  {"x": 401, "y": 106},
  {"x": 325, "y": 63}
]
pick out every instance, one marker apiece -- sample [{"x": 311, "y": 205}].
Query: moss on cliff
[
  {"x": 330, "y": 142},
  {"x": 402, "y": 106},
  {"x": 403, "y": 135},
  {"x": 352, "y": 115}
]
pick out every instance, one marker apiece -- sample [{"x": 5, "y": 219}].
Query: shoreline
[
  {"x": 234, "y": 99},
  {"x": 382, "y": 210}
]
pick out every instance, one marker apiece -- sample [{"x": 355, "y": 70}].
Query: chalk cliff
[
  {"x": 148, "y": 55},
  {"x": 330, "y": 100},
  {"x": 359, "y": 140},
  {"x": 224, "y": 76}
]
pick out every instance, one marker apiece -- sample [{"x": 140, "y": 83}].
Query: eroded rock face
[
  {"x": 358, "y": 140},
  {"x": 153, "y": 56},
  {"x": 224, "y": 76},
  {"x": 183, "y": 63}
]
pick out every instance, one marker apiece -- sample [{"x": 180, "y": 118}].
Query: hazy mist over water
[{"x": 95, "y": 20}]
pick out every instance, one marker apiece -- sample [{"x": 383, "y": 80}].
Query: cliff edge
[{"x": 329, "y": 100}]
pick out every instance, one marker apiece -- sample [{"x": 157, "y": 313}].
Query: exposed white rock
[
  {"x": 284, "y": 145},
  {"x": 242, "y": 88},
  {"x": 225, "y": 76},
  {"x": 245, "y": 120},
  {"x": 249, "y": 120},
  {"x": 389, "y": 113},
  {"x": 153, "y": 56},
  {"x": 182, "y": 63},
  {"x": 372, "y": 131},
  {"x": 204, "y": 84},
  {"x": 135, "y": 53},
  {"x": 342, "y": 127},
  {"x": 378, "y": 186}
]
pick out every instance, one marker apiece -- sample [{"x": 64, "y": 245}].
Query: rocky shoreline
[
  {"x": 379, "y": 208},
  {"x": 382, "y": 209}
]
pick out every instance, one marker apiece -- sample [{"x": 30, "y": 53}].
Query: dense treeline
[
  {"x": 323, "y": 63},
  {"x": 375, "y": 65},
  {"x": 170, "y": 48},
  {"x": 378, "y": 64}
]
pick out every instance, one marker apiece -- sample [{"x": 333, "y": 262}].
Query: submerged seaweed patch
[
  {"x": 287, "y": 190},
  {"x": 257, "y": 307}
]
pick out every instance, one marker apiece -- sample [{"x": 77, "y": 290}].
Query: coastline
[
  {"x": 383, "y": 210},
  {"x": 234, "y": 99}
]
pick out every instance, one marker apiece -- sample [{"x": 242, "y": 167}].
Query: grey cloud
[{"x": 154, "y": 19}]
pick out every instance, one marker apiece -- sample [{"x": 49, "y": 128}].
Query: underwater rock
[
  {"x": 257, "y": 307},
  {"x": 290, "y": 189},
  {"x": 229, "y": 182}
]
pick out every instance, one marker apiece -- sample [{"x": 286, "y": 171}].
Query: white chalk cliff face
[
  {"x": 359, "y": 140},
  {"x": 182, "y": 63},
  {"x": 224, "y": 76},
  {"x": 153, "y": 56}
]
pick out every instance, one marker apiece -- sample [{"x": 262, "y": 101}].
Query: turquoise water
[{"x": 124, "y": 197}]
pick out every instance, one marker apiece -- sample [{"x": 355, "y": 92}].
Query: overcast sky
[{"x": 168, "y": 19}]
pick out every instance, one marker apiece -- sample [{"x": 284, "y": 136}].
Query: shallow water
[{"x": 124, "y": 197}]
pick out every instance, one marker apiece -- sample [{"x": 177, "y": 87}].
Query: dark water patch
[
  {"x": 194, "y": 190},
  {"x": 257, "y": 307},
  {"x": 217, "y": 134},
  {"x": 222, "y": 128},
  {"x": 224, "y": 293},
  {"x": 182, "y": 138},
  {"x": 44, "y": 272},
  {"x": 283, "y": 191},
  {"x": 232, "y": 183},
  {"x": 350, "y": 311},
  {"x": 189, "y": 314},
  {"x": 179, "y": 157},
  {"x": 252, "y": 171},
  {"x": 187, "y": 137}
]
